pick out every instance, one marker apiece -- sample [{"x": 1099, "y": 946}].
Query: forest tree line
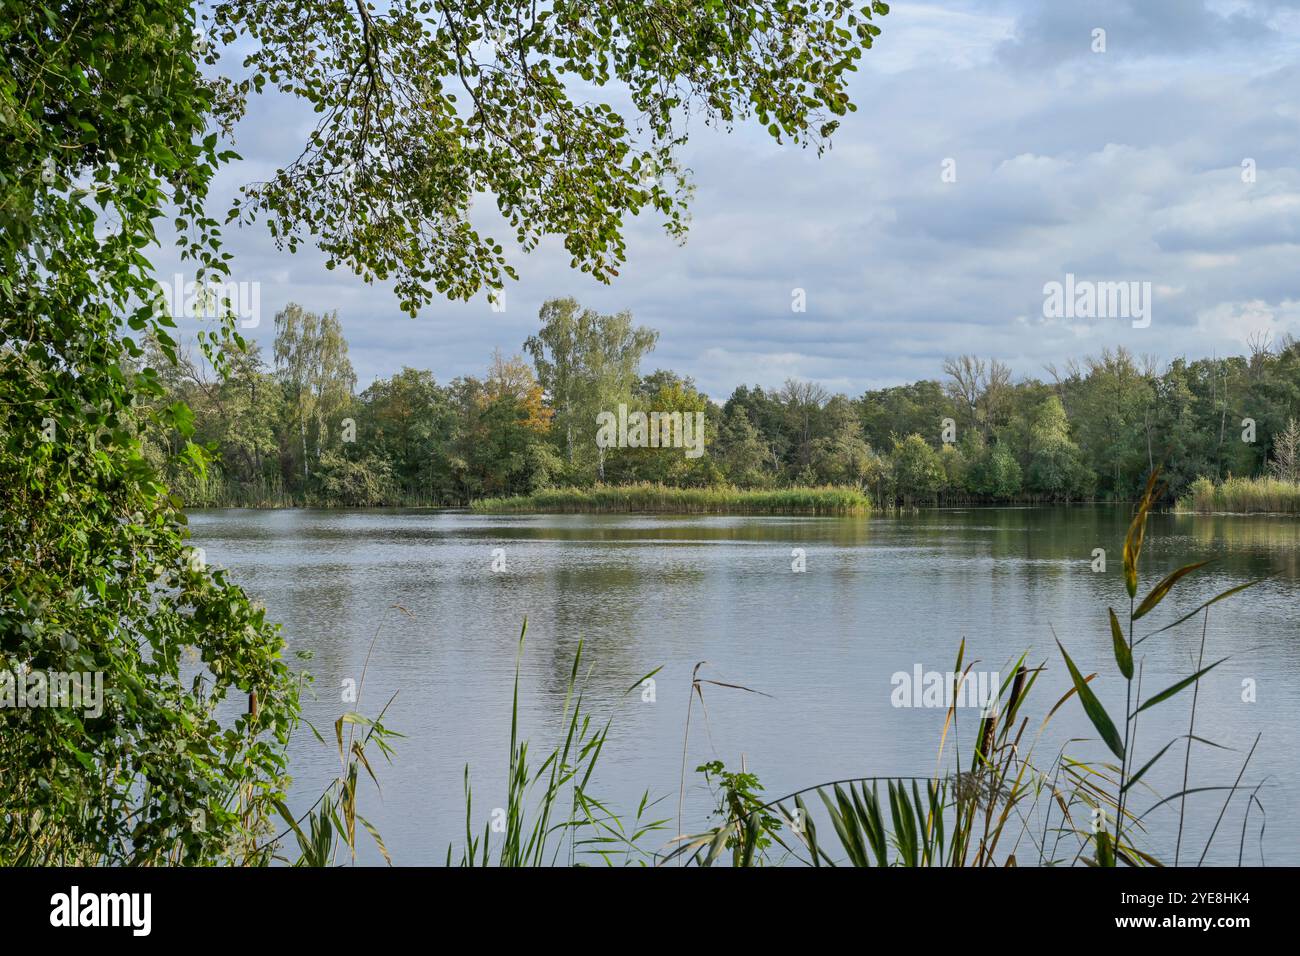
[{"x": 293, "y": 429}]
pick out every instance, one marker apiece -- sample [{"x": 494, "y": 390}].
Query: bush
[{"x": 354, "y": 484}]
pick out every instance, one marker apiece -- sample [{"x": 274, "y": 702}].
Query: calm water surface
[{"x": 879, "y": 596}]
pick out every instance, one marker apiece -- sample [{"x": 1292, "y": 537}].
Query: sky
[{"x": 994, "y": 150}]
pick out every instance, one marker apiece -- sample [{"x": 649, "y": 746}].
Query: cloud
[
  {"x": 1049, "y": 34},
  {"x": 1239, "y": 325},
  {"x": 1125, "y": 166}
]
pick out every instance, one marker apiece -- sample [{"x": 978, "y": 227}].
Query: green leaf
[
  {"x": 1214, "y": 600},
  {"x": 374, "y": 834},
  {"x": 1105, "y": 852},
  {"x": 1092, "y": 707},
  {"x": 1123, "y": 655},
  {"x": 1160, "y": 590},
  {"x": 1136, "y": 531},
  {"x": 1147, "y": 766},
  {"x": 1185, "y": 682}
]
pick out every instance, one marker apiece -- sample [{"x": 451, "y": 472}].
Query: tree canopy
[
  {"x": 115, "y": 116},
  {"x": 570, "y": 115}
]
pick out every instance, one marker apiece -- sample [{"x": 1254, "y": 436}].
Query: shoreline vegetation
[
  {"x": 996, "y": 797},
  {"x": 295, "y": 432},
  {"x": 1244, "y": 496},
  {"x": 1261, "y": 495},
  {"x": 650, "y": 498}
]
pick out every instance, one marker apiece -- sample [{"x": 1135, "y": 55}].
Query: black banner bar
[{"x": 144, "y": 906}]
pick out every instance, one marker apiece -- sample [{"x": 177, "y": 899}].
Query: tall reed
[
  {"x": 663, "y": 499},
  {"x": 1262, "y": 495},
  {"x": 535, "y": 825},
  {"x": 332, "y": 820}
]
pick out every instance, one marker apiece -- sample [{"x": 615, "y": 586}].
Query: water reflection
[{"x": 880, "y": 595}]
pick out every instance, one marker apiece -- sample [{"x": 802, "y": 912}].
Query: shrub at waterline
[{"x": 107, "y": 122}]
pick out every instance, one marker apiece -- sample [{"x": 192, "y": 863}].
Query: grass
[
  {"x": 1242, "y": 496},
  {"x": 662, "y": 499},
  {"x": 536, "y": 825},
  {"x": 331, "y": 822}
]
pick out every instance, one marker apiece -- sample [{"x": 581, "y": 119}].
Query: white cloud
[
  {"x": 1242, "y": 323},
  {"x": 1125, "y": 167}
]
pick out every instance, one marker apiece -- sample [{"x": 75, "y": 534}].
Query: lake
[{"x": 879, "y": 596}]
